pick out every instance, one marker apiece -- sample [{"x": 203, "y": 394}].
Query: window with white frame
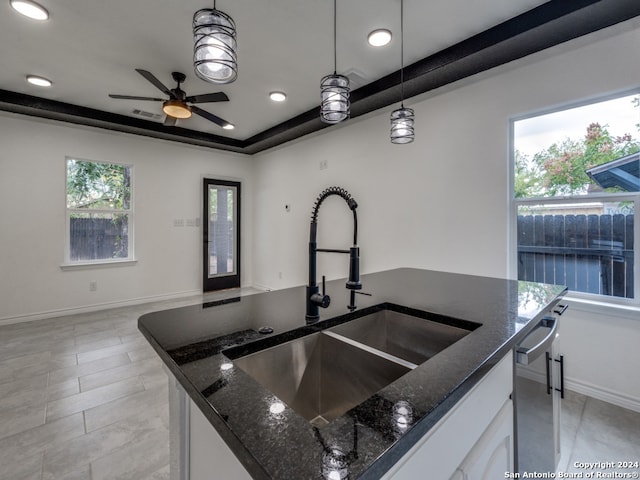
[
  {"x": 99, "y": 212},
  {"x": 576, "y": 185}
]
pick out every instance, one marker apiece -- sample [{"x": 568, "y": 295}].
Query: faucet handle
[{"x": 321, "y": 299}]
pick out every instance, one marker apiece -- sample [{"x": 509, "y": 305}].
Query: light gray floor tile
[
  {"x": 69, "y": 456},
  {"x": 6, "y": 375},
  {"x": 92, "y": 398},
  {"x": 56, "y": 362},
  {"x": 611, "y": 424},
  {"x": 63, "y": 389},
  {"x": 137, "y": 459},
  {"x": 95, "y": 341},
  {"x": 28, "y": 384},
  {"x": 155, "y": 379},
  {"x": 142, "y": 353},
  {"x": 123, "y": 408},
  {"x": 64, "y": 374},
  {"x": 104, "y": 352},
  {"x": 21, "y": 446},
  {"x": 27, "y": 469},
  {"x": 162, "y": 474},
  {"x": 20, "y": 419},
  {"x": 117, "y": 373},
  {"x": 82, "y": 472}
]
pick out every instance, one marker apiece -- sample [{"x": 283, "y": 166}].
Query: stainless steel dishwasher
[{"x": 538, "y": 388}]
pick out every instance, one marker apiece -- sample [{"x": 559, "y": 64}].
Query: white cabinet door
[
  {"x": 492, "y": 455},
  {"x": 446, "y": 446}
]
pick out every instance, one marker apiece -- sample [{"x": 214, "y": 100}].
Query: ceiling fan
[{"x": 178, "y": 105}]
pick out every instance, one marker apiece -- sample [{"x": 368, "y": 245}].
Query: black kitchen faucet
[{"x": 315, "y": 299}]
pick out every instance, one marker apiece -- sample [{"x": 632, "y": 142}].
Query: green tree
[
  {"x": 528, "y": 179},
  {"x": 561, "y": 169},
  {"x": 95, "y": 185}
]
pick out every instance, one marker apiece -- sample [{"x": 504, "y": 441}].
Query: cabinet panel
[
  {"x": 209, "y": 455},
  {"x": 492, "y": 455}
]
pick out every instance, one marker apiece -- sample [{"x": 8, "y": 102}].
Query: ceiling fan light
[
  {"x": 30, "y": 9},
  {"x": 335, "y": 98},
  {"x": 215, "y": 49},
  {"x": 176, "y": 109},
  {"x": 379, "y": 37},
  {"x": 402, "y": 125}
]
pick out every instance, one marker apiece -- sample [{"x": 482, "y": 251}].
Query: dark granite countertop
[{"x": 192, "y": 340}]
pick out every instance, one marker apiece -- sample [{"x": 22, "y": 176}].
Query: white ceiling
[{"x": 90, "y": 48}]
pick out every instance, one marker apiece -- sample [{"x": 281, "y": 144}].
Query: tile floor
[{"x": 84, "y": 397}]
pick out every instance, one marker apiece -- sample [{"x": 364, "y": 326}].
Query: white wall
[
  {"x": 442, "y": 202},
  {"x": 167, "y": 186}
]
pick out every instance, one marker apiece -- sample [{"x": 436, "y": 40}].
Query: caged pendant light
[
  {"x": 215, "y": 50},
  {"x": 334, "y": 88},
  {"x": 402, "y": 118}
]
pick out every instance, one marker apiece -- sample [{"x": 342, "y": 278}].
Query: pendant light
[
  {"x": 214, "y": 51},
  {"x": 402, "y": 118},
  {"x": 334, "y": 88}
]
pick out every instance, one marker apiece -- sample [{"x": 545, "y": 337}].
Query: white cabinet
[
  {"x": 197, "y": 452},
  {"x": 492, "y": 455},
  {"x": 209, "y": 455},
  {"x": 473, "y": 439}
]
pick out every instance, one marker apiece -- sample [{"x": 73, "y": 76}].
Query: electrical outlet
[
  {"x": 93, "y": 286},
  {"x": 324, "y": 164}
]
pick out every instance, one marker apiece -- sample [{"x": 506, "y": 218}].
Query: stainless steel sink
[
  {"x": 410, "y": 338},
  {"x": 323, "y": 375},
  {"x": 320, "y": 376}
]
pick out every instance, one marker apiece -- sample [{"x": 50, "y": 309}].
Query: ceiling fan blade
[
  {"x": 131, "y": 97},
  {"x": 209, "y": 116},
  {"x": 169, "y": 121},
  {"x": 208, "y": 97},
  {"x": 158, "y": 84}
]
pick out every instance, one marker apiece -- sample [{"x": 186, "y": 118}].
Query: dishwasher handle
[{"x": 524, "y": 356}]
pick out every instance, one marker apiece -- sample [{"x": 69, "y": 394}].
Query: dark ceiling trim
[
  {"x": 550, "y": 24},
  {"x": 52, "y": 109}
]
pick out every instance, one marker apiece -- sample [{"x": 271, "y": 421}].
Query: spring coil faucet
[{"x": 315, "y": 299}]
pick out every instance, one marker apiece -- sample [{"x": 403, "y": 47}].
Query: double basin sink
[{"x": 324, "y": 374}]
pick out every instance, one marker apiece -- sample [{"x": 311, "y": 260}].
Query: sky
[{"x": 535, "y": 134}]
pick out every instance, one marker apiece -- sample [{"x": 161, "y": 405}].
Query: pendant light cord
[
  {"x": 335, "y": 36},
  {"x": 401, "y": 53}
]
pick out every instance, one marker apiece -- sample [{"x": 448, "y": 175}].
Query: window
[
  {"x": 99, "y": 212},
  {"x": 576, "y": 185}
]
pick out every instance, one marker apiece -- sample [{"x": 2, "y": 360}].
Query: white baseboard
[
  {"x": 590, "y": 390},
  {"x": 616, "y": 398},
  {"x": 96, "y": 307}
]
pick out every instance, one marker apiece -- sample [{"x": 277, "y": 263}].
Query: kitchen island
[{"x": 269, "y": 439}]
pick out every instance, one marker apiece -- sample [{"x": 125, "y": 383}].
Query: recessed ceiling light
[
  {"x": 278, "y": 96},
  {"x": 30, "y": 9},
  {"x": 39, "y": 81},
  {"x": 379, "y": 38},
  {"x": 229, "y": 126}
]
